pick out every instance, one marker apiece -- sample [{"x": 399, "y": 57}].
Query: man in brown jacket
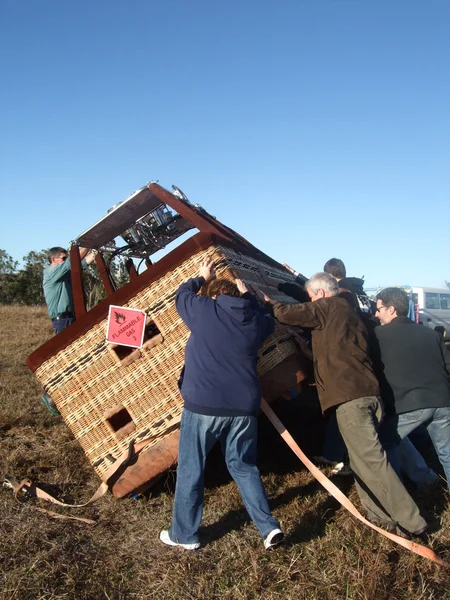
[{"x": 346, "y": 383}]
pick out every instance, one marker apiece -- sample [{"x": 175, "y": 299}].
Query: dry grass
[{"x": 327, "y": 554}]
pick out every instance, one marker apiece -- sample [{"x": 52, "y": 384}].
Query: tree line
[{"x": 24, "y": 285}]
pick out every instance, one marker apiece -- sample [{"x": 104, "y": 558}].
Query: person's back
[
  {"x": 342, "y": 364},
  {"x": 354, "y": 286},
  {"x": 413, "y": 365},
  {"x": 221, "y": 397},
  {"x": 220, "y": 375}
]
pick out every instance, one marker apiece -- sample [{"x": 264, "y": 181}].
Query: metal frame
[{"x": 197, "y": 217}]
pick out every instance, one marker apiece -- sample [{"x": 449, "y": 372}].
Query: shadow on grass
[
  {"x": 308, "y": 528},
  {"x": 305, "y": 423},
  {"x": 63, "y": 492},
  {"x": 433, "y": 501}
]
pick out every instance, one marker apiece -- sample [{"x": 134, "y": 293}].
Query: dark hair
[
  {"x": 397, "y": 298},
  {"x": 335, "y": 267},
  {"x": 216, "y": 287},
  {"x": 55, "y": 252}
]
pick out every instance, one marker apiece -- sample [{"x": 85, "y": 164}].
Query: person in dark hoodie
[
  {"x": 222, "y": 397},
  {"x": 354, "y": 285}
]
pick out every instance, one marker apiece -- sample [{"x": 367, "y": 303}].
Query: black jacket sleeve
[{"x": 294, "y": 291}]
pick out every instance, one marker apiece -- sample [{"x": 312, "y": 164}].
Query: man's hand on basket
[
  {"x": 262, "y": 296},
  {"x": 268, "y": 280},
  {"x": 241, "y": 286},
  {"x": 286, "y": 266},
  {"x": 206, "y": 269}
]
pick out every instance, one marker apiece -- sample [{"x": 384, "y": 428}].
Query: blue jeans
[
  {"x": 437, "y": 422},
  {"x": 238, "y": 438},
  {"x": 407, "y": 460},
  {"x": 411, "y": 462},
  {"x": 404, "y": 456}
]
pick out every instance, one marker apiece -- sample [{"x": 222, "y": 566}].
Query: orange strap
[
  {"x": 27, "y": 488},
  {"x": 55, "y": 515},
  {"x": 336, "y": 492}
]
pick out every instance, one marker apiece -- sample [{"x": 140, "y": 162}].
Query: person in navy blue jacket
[{"x": 222, "y": 396}]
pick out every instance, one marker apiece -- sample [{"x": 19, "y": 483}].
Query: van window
[
  {"x": 445, "y": 301},
  {"x": 432, "y": 300},
  {"x": 415, "y": 298}
]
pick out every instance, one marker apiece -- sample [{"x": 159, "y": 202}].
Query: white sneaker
[
  {"x": 274, "y": 538},
  {"x": 164, "y": 537},
  {"x": 342, "y": 468}
]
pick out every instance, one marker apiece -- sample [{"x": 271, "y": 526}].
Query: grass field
[{"x": 327, "y": 554}]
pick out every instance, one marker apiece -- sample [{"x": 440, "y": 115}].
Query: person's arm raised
[
  {"x": 89, "y": 259},
  {"x": 187, "y": 302}
]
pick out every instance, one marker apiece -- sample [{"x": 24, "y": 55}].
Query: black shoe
[{"x": 421, "y": 534}]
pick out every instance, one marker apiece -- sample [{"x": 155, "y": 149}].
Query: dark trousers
[
  {"x": 60, "y": 324},
  {"x": 334, "y": 448}
]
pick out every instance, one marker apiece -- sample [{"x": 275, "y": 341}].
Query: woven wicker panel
[{"x": 87, "y": 382}]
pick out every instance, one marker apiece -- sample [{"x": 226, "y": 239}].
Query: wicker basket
[{"x": 109, "y": 396}]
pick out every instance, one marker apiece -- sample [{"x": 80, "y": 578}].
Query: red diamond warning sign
[{"x": 126, "y": 326}]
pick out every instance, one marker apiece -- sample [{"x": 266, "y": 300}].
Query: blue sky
[{"x": 316, "y": 128}]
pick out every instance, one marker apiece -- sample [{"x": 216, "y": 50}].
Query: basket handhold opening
[{"x": 120, "y": 420}]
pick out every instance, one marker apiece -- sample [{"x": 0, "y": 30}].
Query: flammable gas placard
[{"x": 126, "y": 326}]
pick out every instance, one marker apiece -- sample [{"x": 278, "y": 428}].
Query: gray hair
[{"x": 323, "y": 281}]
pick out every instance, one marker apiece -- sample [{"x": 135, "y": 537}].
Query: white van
[{"x": 434, "y": 306}]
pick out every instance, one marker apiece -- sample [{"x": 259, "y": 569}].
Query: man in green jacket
[
  {"x": 57, "y": 286},
  {"x": 346, "y": 384}
]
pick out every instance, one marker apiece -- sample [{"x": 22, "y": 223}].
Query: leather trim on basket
[{"x": 197, "y": 243}]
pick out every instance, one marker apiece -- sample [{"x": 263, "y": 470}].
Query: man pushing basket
[{"x": 222, "y": 396}]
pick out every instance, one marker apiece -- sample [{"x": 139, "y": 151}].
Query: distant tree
[
  {"x": 94, "y": 292},
  {"x": 119, "y": 271},
  {"x": 29, "y": 284},
  {"x": 447, "y": 283},
  {"x": 93, "y": 286},
  {"x": 9, "y": 284},
  {"x": 7, "y": 264},
  {"x": 8, "y": 278}
]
